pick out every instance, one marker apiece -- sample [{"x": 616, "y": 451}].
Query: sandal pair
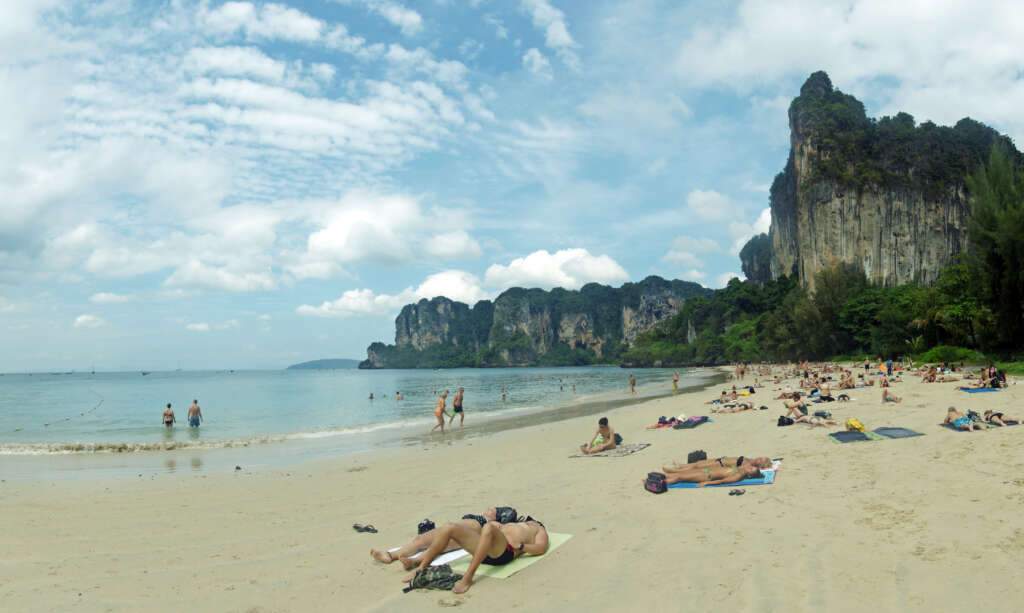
[
  {"x": 737, "y": 492},
  {"x": 366, "y": 528}
]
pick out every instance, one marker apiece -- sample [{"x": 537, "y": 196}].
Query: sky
[{"x": 206, "y": 184}]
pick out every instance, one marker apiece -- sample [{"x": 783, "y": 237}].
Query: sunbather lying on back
[
  {"x": 1000, "y": 419},
  {"x": 739, "y": 407},
  {"x": 720, "y": 462},
  {"x": 495, "y": 545},
  {"x": 714, "y": 475},
  {"x": 814, "y": 420},
  {"x": 422, "y": 541}
]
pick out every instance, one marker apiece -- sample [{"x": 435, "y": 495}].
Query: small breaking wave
[{"x": 74, "y": 448}]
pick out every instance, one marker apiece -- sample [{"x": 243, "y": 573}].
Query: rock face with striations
[
  {"x": 887, "y": 195},
  {"x": 525, "y": 327}
]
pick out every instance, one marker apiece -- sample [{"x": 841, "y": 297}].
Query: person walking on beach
[
  {"x": 195, "y": 415},
  {"x": 457, "y": 407},
  {"x": 675, "y": 382},
  {"x": 169, "y": 416},
  {"x": 439, "y": 411},
  {"x": 632, "y": 384}
]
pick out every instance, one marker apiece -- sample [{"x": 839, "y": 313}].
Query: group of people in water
[{"x": 195, "y": 416}]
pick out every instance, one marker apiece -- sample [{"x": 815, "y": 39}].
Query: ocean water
[{"x": 81, "y": 413}]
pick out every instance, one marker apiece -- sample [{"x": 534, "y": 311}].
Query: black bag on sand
[
  {"x": 785, "y": 421},
  {"x": 618, "y": 438},
  {"x": 433, "y": 578},
  {"x": 655, "y": 483},
  {"x": 696, "y": 456}
]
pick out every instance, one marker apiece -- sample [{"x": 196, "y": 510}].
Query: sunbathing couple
[
  {"x": 961, "y": 421},
  {"x": 488, "y": 541},
  {"x": 716, "y": 471},
  {"x": 797, "y": 411}
]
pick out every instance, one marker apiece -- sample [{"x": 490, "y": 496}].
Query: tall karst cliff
[
  {"x": 525, "y": 327},
  {"x": 887, "y": 195}
]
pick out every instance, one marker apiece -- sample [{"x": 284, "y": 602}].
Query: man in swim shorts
[
  {"x": 169, "y": 417},
  {"x": 195, "y": 415},
  {"x": 494, "y": 544},
  {"x": 604, "y": 438},
  {"x": 421, "y": 541},
  {"x": 457, "y": 407}
]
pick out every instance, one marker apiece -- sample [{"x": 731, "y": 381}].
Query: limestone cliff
[
  {"x": 887, "y": 195},
  {"x": 524, "y": 327},
  {"x": 756, "y": 259}
]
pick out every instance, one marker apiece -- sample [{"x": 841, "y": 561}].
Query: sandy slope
[{"x": 925, "y": 524}]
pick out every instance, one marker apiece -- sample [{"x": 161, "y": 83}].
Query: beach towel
[
  {"x": 618, "y": 452},
  {"x": 853, "y": 437},
  {"x": 977, "y": 390},
  {"x": 692, "y": 422},
  {"x": 444, "y": 558},
  {"x": 555, "y": 540},
  {"x": 767, "y": 478},
  {"x": 897, "y": 432}
]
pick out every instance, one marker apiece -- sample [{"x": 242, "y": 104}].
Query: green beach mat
[
  {"x": 854, "y": 437},
  {"x": 555, "y": 540}
]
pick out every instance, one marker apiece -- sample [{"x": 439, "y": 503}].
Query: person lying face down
[
  {"x": 1000, "y": 419},
  {"x": 713, "y": 475},
  {"x": 421, "y": 541},
  {"x": 723, "y": 462},
  {"x": 960, "y": 421},
  {"x": 495, "y": 545}
]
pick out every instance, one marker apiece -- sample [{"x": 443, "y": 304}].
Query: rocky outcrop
[
  {"x": 756, "y": 259},
  {"x": 525, "y": 327},
  {"x": 887, "y": 195}
]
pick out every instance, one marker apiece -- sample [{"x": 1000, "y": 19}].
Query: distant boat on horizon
[{"x": 145, "y": 372}]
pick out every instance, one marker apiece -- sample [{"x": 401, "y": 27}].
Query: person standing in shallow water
[
  {"x": 195, "y": 415},
  {"x": 169, "y": 416},
  {"x": 439, "y": 411},
  {"x": 457, "y": 407},
  {"x": 632, "y": 384},
  {"x": 675, "y": 382}
]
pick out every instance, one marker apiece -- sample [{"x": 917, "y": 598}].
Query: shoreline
[{"x": 837, "y": 518}]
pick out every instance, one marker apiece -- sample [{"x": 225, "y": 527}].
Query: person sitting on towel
[
  {"x": 714, "y": 475},
  {"x": 795, "y": 408},
  {"x": 604, "y": 439},
  {"x": 495, "y": 545},
  {"x": 723, "y": 462},
  {"x": 421, "y": 541}
]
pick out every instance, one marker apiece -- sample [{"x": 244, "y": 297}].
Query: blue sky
[{"x": 249, "y": 184}]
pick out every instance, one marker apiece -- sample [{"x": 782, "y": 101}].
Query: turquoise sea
[{"x": 294, "y": 412}]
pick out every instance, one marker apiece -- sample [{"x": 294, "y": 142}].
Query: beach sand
[{"x": 931, "y": 523}]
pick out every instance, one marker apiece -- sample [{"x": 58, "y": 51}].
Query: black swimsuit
[{"x": 506, "y": 556}]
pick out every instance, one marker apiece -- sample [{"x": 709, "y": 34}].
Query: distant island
[{"x": 329, "y": 364}]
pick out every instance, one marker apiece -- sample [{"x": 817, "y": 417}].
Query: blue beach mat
[
  {"x": 897, "y": 432},
  {"x": 767, "y": 478},
  {"x": 978, "y": 390}
]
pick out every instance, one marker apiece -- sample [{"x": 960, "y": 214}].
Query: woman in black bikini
[
  {"x": 714, "y": 475},
  {"x": 722, "y": 462},
  {"x": 1000, "y": 419}
]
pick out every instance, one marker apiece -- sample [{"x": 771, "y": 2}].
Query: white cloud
[
  {"x": 196, "y": 273},
  {"x": 109, "y": 298},
  {"x": 457, "y": 285},
  {"x": 556, "y": 32},
  {"x": 693, "y": 275},
  {"x": 230, "y": 324},
  {"x": 457, "y": 244},
  {"x": 535, "y": 62},
  {"x": 500, "y": 30},
  {"x": 709, "y": 205},
  {"x": 235, "y": 61},
  {"x": 687, "y": 251},
  {"x": 567, "y": 268},
  {"x": 407, "y": 20},
  {"x": 89, "y": 322},
  {"x": 270, "y": 21},
  {"x": 723, "y": 279}
]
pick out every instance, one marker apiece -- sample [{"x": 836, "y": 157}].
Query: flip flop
[
  {"x": 737, "y": 492},
  {"x": 362, "y": 528}
]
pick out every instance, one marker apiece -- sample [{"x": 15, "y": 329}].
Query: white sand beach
[{"x": 930, "y": 523}]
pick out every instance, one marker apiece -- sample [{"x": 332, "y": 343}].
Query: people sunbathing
[
  {"x": 738, "y": 407},
  {"x": 423, "y": 540},
  {"x": 723, "y": 462},
  {"x": 960, "y": 421},
  {"x": 713, "y": 475},
  {"x": 814, "y": 420},
  {"x": 1000, "y": 419},
  {"x": 495, "y": 545}
]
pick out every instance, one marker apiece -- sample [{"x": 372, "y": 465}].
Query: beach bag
[
  {"x": 823, "y": 414},
  {"x": 433, "y": 578},
  {"x": 853, "y": 425},
  {"x": 696, "y": 456},
  {"x": 506, "y": 515},
  {"x": 618, "y": 438},
  {"x": 425, "y": 526},
  {"x": 655, "y": 483},
  {"x": 785, "y": 421}
]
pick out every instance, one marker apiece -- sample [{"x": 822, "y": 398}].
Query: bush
[{"x": 947, "y": 353}]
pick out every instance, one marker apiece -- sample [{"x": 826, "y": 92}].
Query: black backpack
[
  {"x": 696, "y": 456},
  {"x": 785, "y": 421},
  {"x": 655, "y": 483}
]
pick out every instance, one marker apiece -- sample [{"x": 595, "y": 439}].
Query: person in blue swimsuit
[{"x": 195, "y": 415}]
